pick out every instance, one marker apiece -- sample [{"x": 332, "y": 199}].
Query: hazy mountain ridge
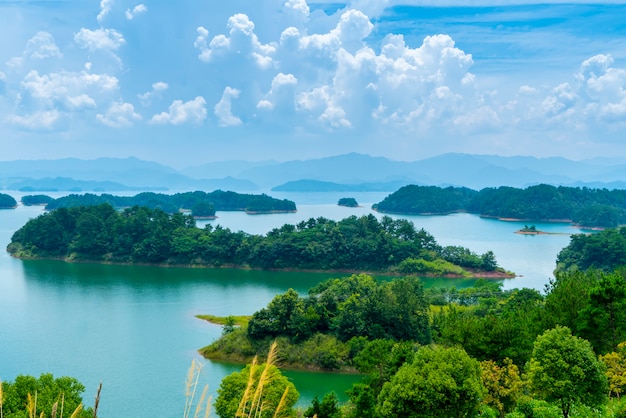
[{"x": 345, "y": 172}]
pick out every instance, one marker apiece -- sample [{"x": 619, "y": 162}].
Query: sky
[{"x": 192, "y": 81}]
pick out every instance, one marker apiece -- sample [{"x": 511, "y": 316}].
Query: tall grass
[{"x": 191, "y": 386}]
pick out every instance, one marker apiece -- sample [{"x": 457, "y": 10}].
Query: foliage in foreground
[{"x": 45, "y": 396}]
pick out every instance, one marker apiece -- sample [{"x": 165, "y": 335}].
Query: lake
[{"x": 133, "y": 328}]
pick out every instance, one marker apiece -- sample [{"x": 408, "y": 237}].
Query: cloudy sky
[{"x": 190, "y": 81}]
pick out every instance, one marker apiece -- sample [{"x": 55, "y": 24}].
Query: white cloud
[
  {"x": 45, "y": 120},
  {"x": 193, "y": 111},
  {"x": 138, "y": 9},
  {"x": 42, "y": 46},
  {"x": 119, "y": 115},
  {"x": 81, "y": 101},
  {"x": 282, "y": 91},
  {"x": 241, "y": 40},
  {"x": 59, "y": 87},
  {"x": 223, "y": 109},
  {"x": 157, "y": 88},
  {"x": 105, "y": 9},
  {"x": 107, "y": 39}
]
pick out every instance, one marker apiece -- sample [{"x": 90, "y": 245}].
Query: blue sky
[{"x": 193, "y": 81}]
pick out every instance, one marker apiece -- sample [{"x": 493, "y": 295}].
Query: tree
[
  {"x": 502, "y": 383},
  {"x": 64, "y": 392},
  {"x": 328, "y": 408},
  {"x": 604, "y": 318},
  {"x": 564, "y": 369},
  {"x": 615, "y": 363},
  {"x": 258, "y": 390},
  {"x": 440, "y": 382}
]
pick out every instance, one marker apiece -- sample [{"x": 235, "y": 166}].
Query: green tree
[
  {"x": 503, "y": 385},
  {"x": 615, "y": 363},
  {"x": 64, "y": 391},
  {"x": 440, "y": 382},
  {"x": 604, "y": 318},
  {"x": 327, "y": 408},
  {"x": 564, "y": 369},
  {"x": 258, "y": 388}
]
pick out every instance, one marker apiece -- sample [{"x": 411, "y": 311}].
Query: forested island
[
  {"x": 348, "y": 202},
  {"x": 144, "y": 235},
  {"x": 581, "y": 206},
  {"x": 198, "y": 202},
  {"x": 7, "y": 201}
]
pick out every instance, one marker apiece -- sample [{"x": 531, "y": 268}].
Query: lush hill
[
  {"x": 219, "y": 200},
  {"x": 141, "y": 235},
  {"x": 583, "y": 206}
]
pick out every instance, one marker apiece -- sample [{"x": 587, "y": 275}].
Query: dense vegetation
[
  {"x": 481, "y": 351},
  {"x": 583, "y": 206},
  {"x": 139, "y": 234},
  {"x": 605, "y": 250},
  {"x": 7, "y": 201},
  {"x": 348, "y": 202},
  {"x": 204, "y": 204},
  {"x": 45, "y": 396},
  {"x": 36, "y": 199}
]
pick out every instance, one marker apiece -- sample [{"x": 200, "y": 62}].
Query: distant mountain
[
  {"x": 121, "y": 173},
  {"x": 66, "y": 184},
  {"x": 348, "y": 172},
  {"x": 325, "y": 186},
  {"x": 473, "y": 171},
  {"x": 224, "y": 168}
]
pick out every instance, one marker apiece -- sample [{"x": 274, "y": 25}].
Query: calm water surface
[{"x": 133, "y": 327}]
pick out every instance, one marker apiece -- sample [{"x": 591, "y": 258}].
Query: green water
[{"x": 133, "y": 328}]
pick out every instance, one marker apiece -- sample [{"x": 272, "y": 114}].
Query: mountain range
[{"x": 347, "y": 172}]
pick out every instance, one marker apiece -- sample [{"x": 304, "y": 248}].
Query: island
[
  {"x": 201, "y": 204},
  {"x": 144, "y": 235},
  {"x": 7, "y": 201},
  {"x": 36, "y": 200},
  {"x": 585, "y": 207},
  {"x": 349, "y": 202}
]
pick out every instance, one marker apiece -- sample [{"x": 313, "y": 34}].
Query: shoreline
[{"x": 475, "y": 274}]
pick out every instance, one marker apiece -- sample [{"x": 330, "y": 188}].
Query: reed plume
[
  {"x": 246, "y": 394},
  {"x": 77, "y": 411},
  {"x": 97, "y": 401},
  {"x": 191, "y": 384},
  {"x": 282, "y": 403},
  {"x": 256, "y": 406}
]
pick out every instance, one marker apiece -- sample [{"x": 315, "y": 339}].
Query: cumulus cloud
[
  {"x": 107, "y": 39},
  {"x": 45, "y": 120},
  {"x": 138, "y": 9},
  {"x": 179, "y": 113},
  {"x": 282, "y": 91},
  {"x": 241, "y": 40},
  {"x": 223, "y": 109},
  {"x": 157, "y": 88},
  {"x": 59, "y": 87},
  {"x": 42, "y": 46},
  {"x": 119, "y": 115},
  {"x": 105, "y": 9}
]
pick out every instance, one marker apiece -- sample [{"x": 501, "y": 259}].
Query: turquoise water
[{"x": 133, "y": 328}]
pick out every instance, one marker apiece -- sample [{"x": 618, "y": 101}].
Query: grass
[{"x": 239, "y": 321}]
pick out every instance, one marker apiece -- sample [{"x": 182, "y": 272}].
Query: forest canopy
[
  {"x": 198, "y": 200},
  {"x": 582, "y": 206},
  {"x": 145, "y": 235}
]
